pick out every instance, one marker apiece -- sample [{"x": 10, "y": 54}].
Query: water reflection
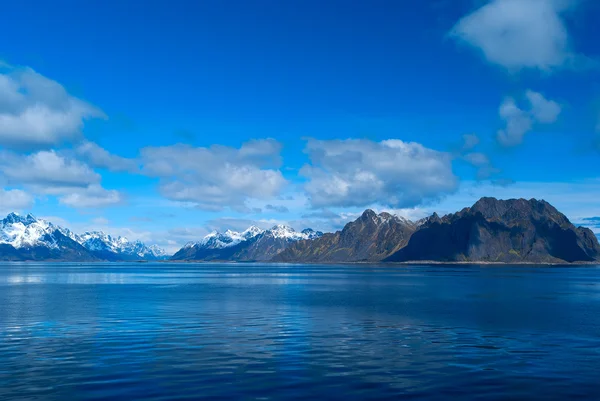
[{"x": 283, "y": 332}]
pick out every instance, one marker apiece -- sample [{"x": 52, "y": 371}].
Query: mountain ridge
[
  {"x": 29, "y": 238},
  {"x": 253, "y": 244},
  {"x": 370, "y": 238}
]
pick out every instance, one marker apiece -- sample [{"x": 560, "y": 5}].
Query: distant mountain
[
  {"x": 252, "y": 244},
  {"x": 29, "y": 238},
  {"x": 512, "y": 231},
  {"x": 107, "y": 247},
  {"x": 372, "y": 237}
]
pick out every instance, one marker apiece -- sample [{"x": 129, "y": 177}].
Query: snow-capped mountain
[
  {"x": 286, "y": 232},
  {"x": 30, "y": 238},
  {"x": 108, "y": 247},
  {"x": 253, "y": 244},
  {"x": 217, "y": 240}
]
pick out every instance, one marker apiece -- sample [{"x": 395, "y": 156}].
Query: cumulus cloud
[
  {"x": 218, "y": 176},
  {"x": 50, "y": 173},
  {"x": 520, "y": 34},
  {"x": 37, "y": 112},
  {"x": 15, "y": 199},
  {"x": 46, "y": 168},
  {"x": 91, "y": 197},
  {"x": 99, "y": 157},
  {"x": 359, "y": 173},
  {"x": 520, "y": 121}
]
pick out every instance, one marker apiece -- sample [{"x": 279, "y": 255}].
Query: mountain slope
[
  {"x": 512, "y": 231},
  {"x": 371, "y": 237},
  {"x": 252, "y": 244}
]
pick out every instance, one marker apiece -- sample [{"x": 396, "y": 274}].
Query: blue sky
[{"x": 164, "y": 120}]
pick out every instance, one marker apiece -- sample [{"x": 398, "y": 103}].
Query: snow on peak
[
  {"x": 251, "y": 232},
  {"x": 100, "y": 241},
  {"x": 282, "y": 231},
  {"x": 217, "y": 240},
  {"x": 288, "y": 233},
  {"x": 28, "y": 231}
]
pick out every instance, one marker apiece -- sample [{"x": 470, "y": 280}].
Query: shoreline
[{"x": 382, "y": 264}]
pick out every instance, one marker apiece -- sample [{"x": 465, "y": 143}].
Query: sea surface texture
[{"x": 275, "y": 332}]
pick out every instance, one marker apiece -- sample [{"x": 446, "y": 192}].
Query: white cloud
[
  {"x": 15, "y": 199},
  {"x": 91, "y": 197},
  {"x": 358, "y": 173},
  {"x": 37, "y": 112},
  {"x": 46, "y": 168},
  {"x": 216, "y": 177},
  {"x": 49, "y": 173},
  {"x": 99, "y": 157},
  {"x": 519, "y": 34},
  {"x": 519, "y": 121}
]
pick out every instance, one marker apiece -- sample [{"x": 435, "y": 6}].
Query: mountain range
[
  {"x": 492, "y": 230},
  {"x": 253, "y": 244},
  {"x": 27, "y": 238}
]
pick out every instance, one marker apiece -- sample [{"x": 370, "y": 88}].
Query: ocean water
[{"x": 270, "y": 332}]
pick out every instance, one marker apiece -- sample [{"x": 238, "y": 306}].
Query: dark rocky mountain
[
  {"x": 248, "y": 246},
  {"x": 511, "y": 231},
  {"x": 370, "y": 238}
]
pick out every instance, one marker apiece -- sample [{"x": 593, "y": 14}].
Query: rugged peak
[
  {"x": 368, "y": 214},
  {"x": 434, "y": 218},
  {"x": 251, "y": 231},
  {"x": 282, "y": 227},
  {"x": 309, "y": 233},
  {"x": 282, "y": 231},
  {"x": 13, "y": 217},
  {"x": 517, "y": 209}
]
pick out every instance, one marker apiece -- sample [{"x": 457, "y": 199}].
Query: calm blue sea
[{"x": 267, "y": 332}]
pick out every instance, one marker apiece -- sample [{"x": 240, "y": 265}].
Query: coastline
[{"x": 268, "y": 262}]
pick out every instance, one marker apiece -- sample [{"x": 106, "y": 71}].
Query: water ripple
[{"x": 176, "y": 332}]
